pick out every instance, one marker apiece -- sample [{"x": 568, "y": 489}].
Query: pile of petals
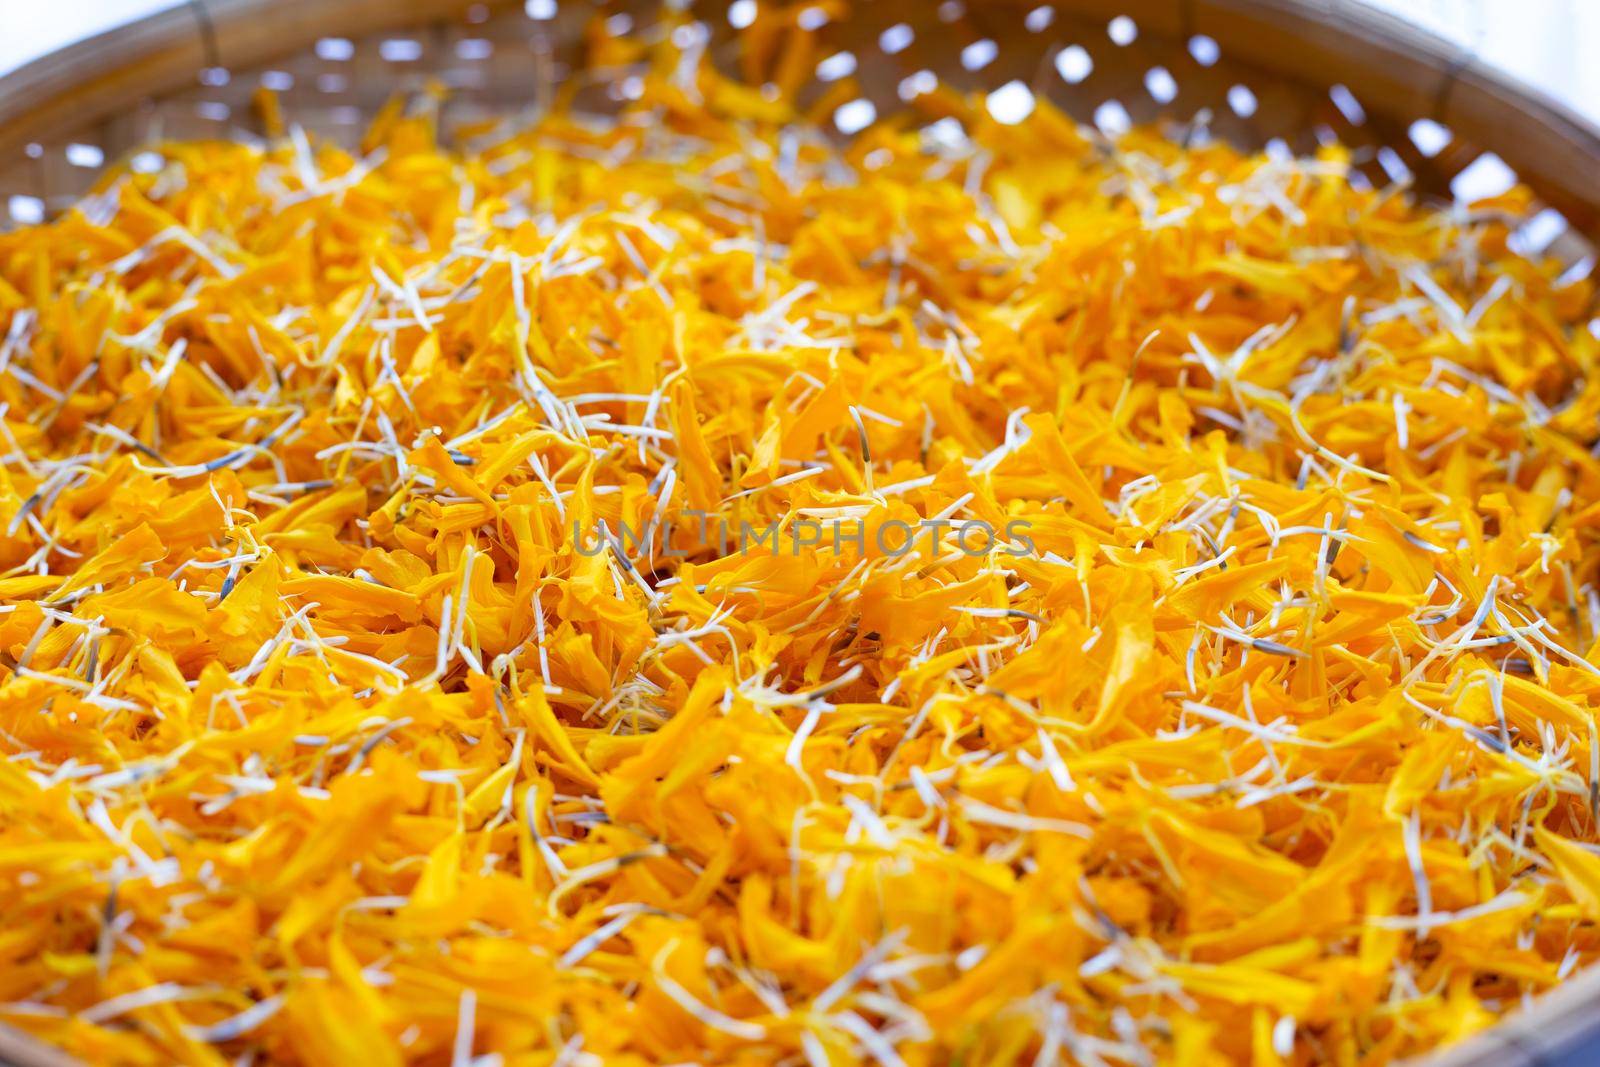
[{"x": 1167, "y": 634}]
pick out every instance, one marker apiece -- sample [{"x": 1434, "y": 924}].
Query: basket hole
[
  {"x": 690, "y": 35},
  {"x": 26, "y": 210},
  {"x": 1011, "y": 103},
  {"x": 1278, "y": 150},
  {"x": 1161, "y": 85},
  {"x": 1205, "y": 50},
  {"x": 474, "y": 48},
  {"x": 1483, "y": 179},
  {"x": 332, "y": 83},
  {"x": 742, "y": 14},
  {"x": 979, "y": 54},
  {"x": 1430, "y": 137},
  {"x": 855, "y": 116},
  {"x": 1242, "y": 101},
  {"x": 335, "y": 49},
  {"x": 278, "y": 81},
  {"x": 812, "y": 18},
  {"x": 945, "y": 135},
  {"x": 896, "y": 38},
  {"x": 1348, "y": 105},
  {"x": 346, "y": 116},
  {"x": 85, "y": 155},
  {"x": 400, "y": 50},
  {"x": 951, "y": 10},
  {"x": 1112, "y": 118},
  {"x": 915, "y": 85},
  {"x": 1536, "y": 235},
  {"x": 1039, "y": 19},
  {"x": 546, "y": 9},
  {"x": 877, "y": 159},
  {"x": 34, "y": 150},
  {"x": 215, "y": 77},
  {"x": 839, "y": 65},
  {"x": 214, "y": 110},
  {"x": 1394, "y": 166},
  {"x": 147, "y": 162},
  {"x": 629, "y": 88},
  {"x": 1073, "y": 64},
  {"x": 1123, "y": 31}
]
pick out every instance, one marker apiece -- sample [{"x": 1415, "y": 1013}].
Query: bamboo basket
[{"x": 1277, "y": 74}]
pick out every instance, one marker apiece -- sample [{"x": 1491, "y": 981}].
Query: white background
[{"x": 1551, "y": 44}]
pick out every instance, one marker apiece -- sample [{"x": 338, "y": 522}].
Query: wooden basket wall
[{"x": 1284, "y": 74}]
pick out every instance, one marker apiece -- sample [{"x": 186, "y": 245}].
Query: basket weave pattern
[{"x": 1416, "y": 117}]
